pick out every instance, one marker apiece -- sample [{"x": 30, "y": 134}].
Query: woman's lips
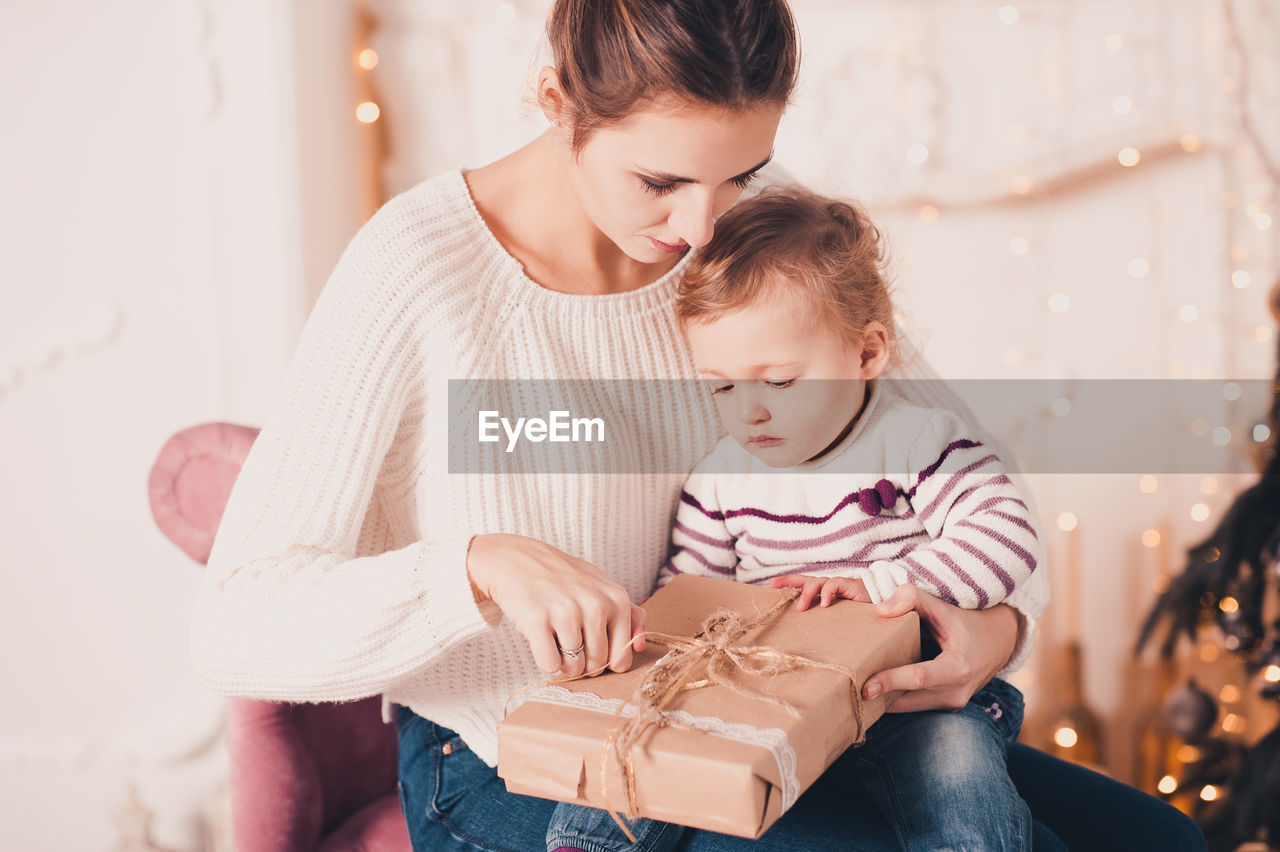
[
  {"x": 667, "y": 247},
  {"x": 764, "y": 441}
]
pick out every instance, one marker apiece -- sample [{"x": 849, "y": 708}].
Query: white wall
[
  {"x": 178, "y": 178},
  {"x": 157, "y": 268}
]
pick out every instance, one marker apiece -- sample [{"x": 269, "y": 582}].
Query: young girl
[{"x": 831, "y": 482}]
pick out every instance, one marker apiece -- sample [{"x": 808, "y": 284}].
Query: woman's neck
[{"x": 528, "y": 203}]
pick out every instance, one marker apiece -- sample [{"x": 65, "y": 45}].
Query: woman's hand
[
  {"x": 826, "y": 589},
  {"x": 976, "y": 643},
  {"x": 558, "y": 602}
]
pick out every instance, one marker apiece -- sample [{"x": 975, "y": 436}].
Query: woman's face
[{"x": 654, "y": 183}]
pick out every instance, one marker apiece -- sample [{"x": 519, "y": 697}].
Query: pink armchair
[{"x": 304, "y": 777}]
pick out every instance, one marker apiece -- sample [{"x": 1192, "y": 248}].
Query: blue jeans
[
  {"x": 452, "y": 800},
  {"x": 938, "y": 777}
]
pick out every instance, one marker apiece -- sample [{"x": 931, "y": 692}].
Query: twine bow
[{"x": 711, "y": 654}]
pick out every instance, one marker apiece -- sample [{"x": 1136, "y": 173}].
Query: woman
[{"x": 350, "y": 562}]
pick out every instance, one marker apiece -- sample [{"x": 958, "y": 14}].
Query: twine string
[{"x": 714, "y": 652}]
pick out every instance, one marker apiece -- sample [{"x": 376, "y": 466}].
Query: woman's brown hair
[
  {"x": 615, "y": 56},
  {"x": 819, "y": 255}
]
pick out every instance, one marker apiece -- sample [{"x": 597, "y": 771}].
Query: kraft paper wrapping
[{"x": 725, "y": 762}]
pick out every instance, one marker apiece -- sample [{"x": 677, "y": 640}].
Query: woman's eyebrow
[{"x": 669, "y": 178}]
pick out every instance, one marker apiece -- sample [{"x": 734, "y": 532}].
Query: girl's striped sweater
[{"x": 910, "y": 496}]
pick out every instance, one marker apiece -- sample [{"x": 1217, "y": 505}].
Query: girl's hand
[
  {"x": 976, "y": 643},
  {"x": 825, "y": 588},
  {"x": 558, "y": 603}
]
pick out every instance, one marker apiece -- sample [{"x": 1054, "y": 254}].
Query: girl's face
[
  {"x": 654, "y": 183},
  {"x": 785, "y": 390}
]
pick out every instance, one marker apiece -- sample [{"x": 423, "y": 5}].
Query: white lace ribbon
[{"x": 772, "y": 739}]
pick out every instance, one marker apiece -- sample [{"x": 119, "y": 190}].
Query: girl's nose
[{"x": 751, "y": 411}]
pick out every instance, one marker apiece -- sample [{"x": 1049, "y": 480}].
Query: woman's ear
[
  {"x": 551, "y": 98},
  {"x": 874, "y": 350}
]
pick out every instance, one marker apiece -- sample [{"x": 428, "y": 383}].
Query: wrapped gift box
[{"x": 721, "y": 759}]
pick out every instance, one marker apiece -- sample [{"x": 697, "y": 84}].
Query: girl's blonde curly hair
[{"x": 818, "y": 255}]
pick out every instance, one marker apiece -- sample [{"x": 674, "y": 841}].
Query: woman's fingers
[
  {"x": 638, "y": 617},
  {"x": 618, "y": 648},
  {"x": 974, "y": 645},
  {"x": 596, "y": 627},
  {"x": 928, "y": 685},
  {"x": 575, "y": 617},
  {"x": 933, "y": 611},
  {"x": 904, "y": 599},
  {"x": 571, "y": 646},
  {"x": 630, "y": 642},
  {"x": 546, "y": 655},
  {"x": 951, "y": 698},
  {"x": 921, "y": 676}
]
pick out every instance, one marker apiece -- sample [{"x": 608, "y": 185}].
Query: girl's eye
[
  {"x": 721, "y": 389},
  {"x": 781, "y": 384},
  {"x": 743, "y": 181},
  {"x": 658, "y": 189}
]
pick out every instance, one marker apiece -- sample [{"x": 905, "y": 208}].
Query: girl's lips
[
  {"x": 764, "y": 441},
  {"x": 667, "y": 247}
]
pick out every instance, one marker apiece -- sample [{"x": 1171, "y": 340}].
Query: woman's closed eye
[{"x": 660, "y": 188}]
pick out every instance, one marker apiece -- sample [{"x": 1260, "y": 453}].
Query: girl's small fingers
[{"x": 811, "y": 589}]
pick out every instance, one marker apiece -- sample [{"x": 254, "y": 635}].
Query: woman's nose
[{"x": 694, "y": 220}]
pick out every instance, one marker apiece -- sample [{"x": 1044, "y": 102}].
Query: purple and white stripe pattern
[{"x": 947, "y": 519}]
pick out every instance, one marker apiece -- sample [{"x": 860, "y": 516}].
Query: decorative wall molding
[
  {"x": 194, "y": 23},
  {"x": 93, "y": 332},
  {"x": 152, "y": 747}
]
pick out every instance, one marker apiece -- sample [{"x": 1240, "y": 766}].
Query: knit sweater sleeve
[
  {"x": 701, "y": 543},
  {"x": 303, "y": 599},
  {"x": 919, "y": 383},
  {"x": 983, "y": 543}
]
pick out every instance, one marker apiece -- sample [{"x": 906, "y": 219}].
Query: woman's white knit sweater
[{"x": 339, "y": 569}]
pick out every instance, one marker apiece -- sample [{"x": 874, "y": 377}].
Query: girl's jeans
[{"x": 454, "y": 801}]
